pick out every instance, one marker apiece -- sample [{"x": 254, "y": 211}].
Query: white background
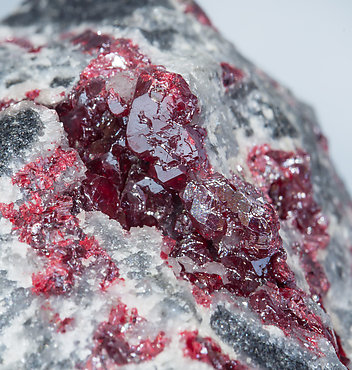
[{"x": 304, "y": 44}]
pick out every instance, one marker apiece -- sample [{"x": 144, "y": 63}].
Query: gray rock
[{"x": 45, "y": 66}]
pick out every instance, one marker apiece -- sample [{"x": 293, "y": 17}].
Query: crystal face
[
  {"x": 159, "y": 128},
  {"x": 285, "y": 178},
  {"x": 136, "y": 188},
  {"x": 135, "y": 127},
  {"x": 146, "y": 165}
]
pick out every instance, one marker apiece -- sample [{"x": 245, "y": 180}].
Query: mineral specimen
[{"x": 164, "y": 204}]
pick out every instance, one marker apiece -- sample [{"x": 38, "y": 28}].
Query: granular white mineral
[{"x": 164, "y": 204}]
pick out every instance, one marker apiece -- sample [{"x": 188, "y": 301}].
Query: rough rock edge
[{"x": 325, "y": 185}]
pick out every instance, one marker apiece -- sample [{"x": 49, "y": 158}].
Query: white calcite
[{"x": 262, "y": 112}]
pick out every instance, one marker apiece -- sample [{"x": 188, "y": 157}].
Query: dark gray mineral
[{"x": 164, "y": 204}]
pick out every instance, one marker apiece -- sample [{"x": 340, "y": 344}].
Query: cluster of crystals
[
  {"x": 130, "y": 121},
  {"x": 135, "y": 127},
  {"x": 204, "y": 349},
  {"x": 45, "y": 222},
  {"x": 231, "y": 238},
  {"x": 112, "y": 340},
  {"x": 285, "y": 178}
]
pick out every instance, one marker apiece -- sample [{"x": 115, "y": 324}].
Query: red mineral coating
[
  {"x": 5, "y": 103},
  {"x": 134, "y": 125},
  {"x": 23, "y": 43},
  {"x": 31, "y": 95},
  {"x": 46, "y": 221},
  {"x": 194, "y": 9},
  {"x": 342, "y": 354},
  {"x": 285, "y": 178},
  {"x": 112, "y": 339},
  {"x": 204, "y": 349},
  {"x": 62, "y": 324},
  {"x": 201, "y": 297},
  {"x": 231, "y": 75}
]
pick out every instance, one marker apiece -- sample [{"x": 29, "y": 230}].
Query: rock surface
[{"x": 164, "y": 204}]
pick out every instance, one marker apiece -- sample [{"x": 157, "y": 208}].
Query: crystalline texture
[
  {"x": 161, "y": 197},
  {"x": 159, "y": 129},
  {"x": 213, "y": 222}
]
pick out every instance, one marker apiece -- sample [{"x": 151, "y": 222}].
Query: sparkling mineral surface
[{"x": 164, "y": 204}]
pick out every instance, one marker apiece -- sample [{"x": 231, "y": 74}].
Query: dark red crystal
[
  {"x": 234, "y": 214},
  {"x": 159, "y": 128},
  {"x": 287, "y": 308},
  {"x": 285, "y": 178},
  {"x": 135, "y": 127},
  {"x": 231, "y": 75},
  {"x": 92, "y": 42}
]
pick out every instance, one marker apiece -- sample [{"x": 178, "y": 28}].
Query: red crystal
[
  {"x": 201, "y": 297},
  {"x": 92, "y": 42},
  {"x": 287, "y": 308},
  {"x": 102, "y": 194},
  {"x": 55, "y": 280},
  {"x": 231, "y": 75},
  {"x": 23, "y": 43},
  {"x": 5, "y": 103},
  {"x": 136, "y": 128},
  {"x": 31, "y": 95},
  {"x": 234, "y": 213},
  {"x": 204, "y": 349},
  {"x": 47, "y": 223},
  {"x": 159, "y": 130},
  {"x": 62, "y": 324},
  {"x": 112, "y": 339},
  {"x": 285, "y": 178}
]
